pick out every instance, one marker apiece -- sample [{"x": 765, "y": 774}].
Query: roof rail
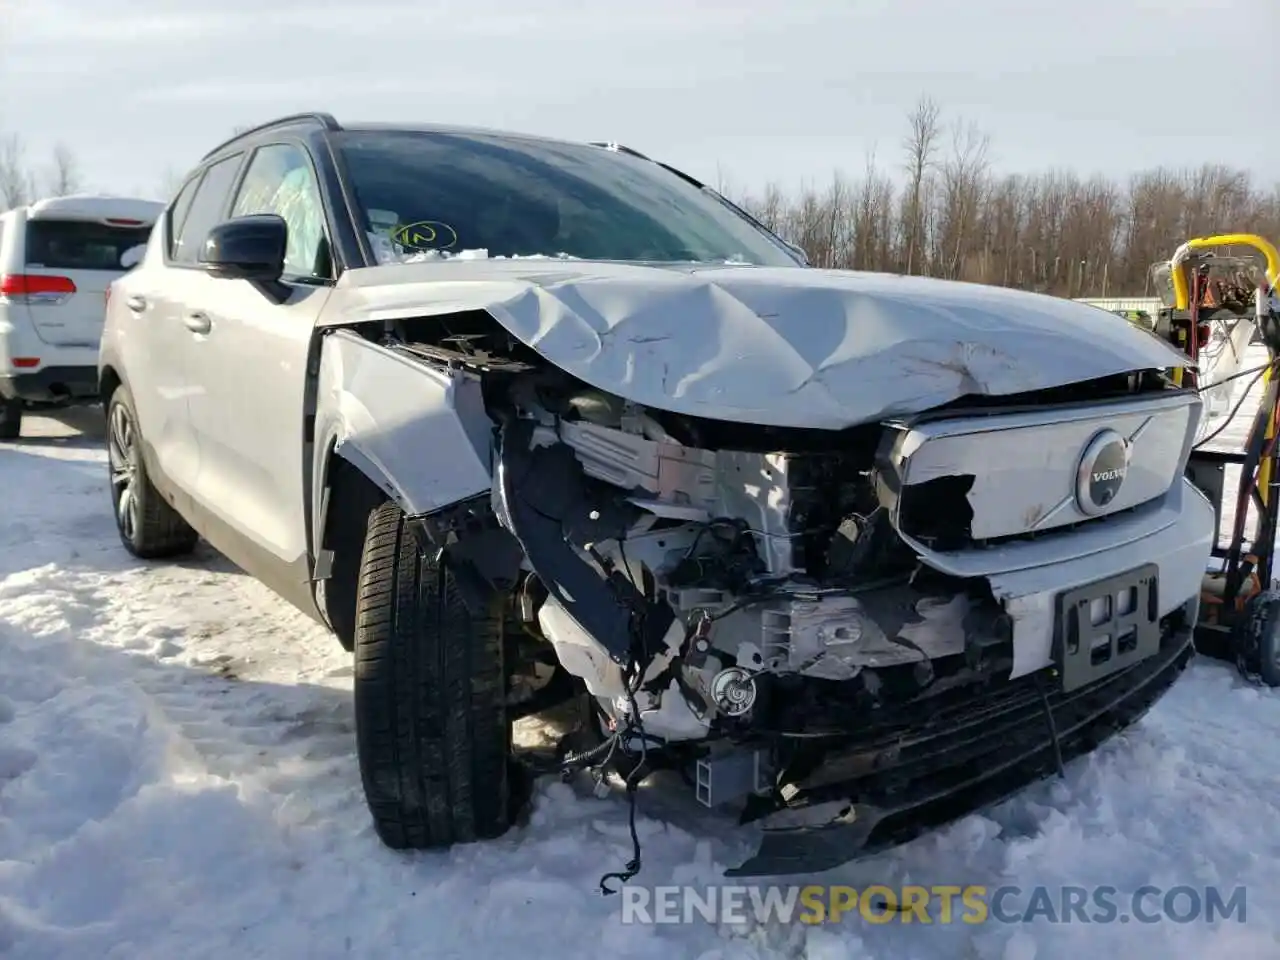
[
  {"x": 619, "y": 148},
  {"x": 325, "y": 120},
  {"x": 632, "y": 152},
  {"x": 622, "y": 148}
]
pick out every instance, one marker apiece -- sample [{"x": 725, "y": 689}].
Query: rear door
[
  {"x": 69, "y": 263},
  {"x": 164, "y": 346},
  {"x": 152, "y": 346}
]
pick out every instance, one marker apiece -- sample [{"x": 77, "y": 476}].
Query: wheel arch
[
  {"x": 108, "y": 380},
  {"x": 387, "y": 427},
  {"x": 348, "y": 497},
  {"x": 353, "y": 488}
]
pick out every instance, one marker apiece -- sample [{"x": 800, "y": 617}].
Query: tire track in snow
[{"x": 202, "y": 733}]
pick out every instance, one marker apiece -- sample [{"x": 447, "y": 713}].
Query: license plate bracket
[{"x": 1107, "y": 625}]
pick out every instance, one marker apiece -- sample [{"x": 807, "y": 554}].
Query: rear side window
[
  {"x": 206, "y": 210},
  {"x": 178, "y": 213},
  {"x": 81, "y": 245}
]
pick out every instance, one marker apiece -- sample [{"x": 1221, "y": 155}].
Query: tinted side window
[
  {"x": 280, "y": 181},
  {"x": 178, "y": 212},
  {"x": 206, "y": 209}
]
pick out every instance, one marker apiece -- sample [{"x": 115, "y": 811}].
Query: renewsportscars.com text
[{"x": 938, "y": 904}]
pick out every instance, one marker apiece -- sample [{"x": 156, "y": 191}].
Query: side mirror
[
  {"x": 798, "y": 251},
  {"x": 246, "y": 248}
]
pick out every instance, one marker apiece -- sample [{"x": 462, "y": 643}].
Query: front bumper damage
[
  {"x": 833, "y": 781},
  {"x": 904, "y": 775},
  {"x": 973, "y": 753}
]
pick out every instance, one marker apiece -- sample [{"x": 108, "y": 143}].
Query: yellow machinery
[{"x": 1216, "y": 304}]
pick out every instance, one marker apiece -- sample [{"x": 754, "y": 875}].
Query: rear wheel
[
  {"x": 10, "y": 419},
  {"x": 149, "y": 527},
  {"x": 432, "y": 733}
]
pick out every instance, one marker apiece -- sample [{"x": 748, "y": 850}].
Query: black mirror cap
[{"x": 246, "y": 248}]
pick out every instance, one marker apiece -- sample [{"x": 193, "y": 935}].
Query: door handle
[
  {"x": 136, "y": 303},
  {"x": 197, "y": 322}
]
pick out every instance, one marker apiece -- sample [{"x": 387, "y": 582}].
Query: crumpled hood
[{"x": 783, "y": 346}]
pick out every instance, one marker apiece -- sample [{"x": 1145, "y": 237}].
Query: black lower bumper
[
  {"x": 51, "y": 385},
  {"x": 970, "y": 755}
]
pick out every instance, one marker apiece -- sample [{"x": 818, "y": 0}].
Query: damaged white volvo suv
[{"x": 524, "y": 420}]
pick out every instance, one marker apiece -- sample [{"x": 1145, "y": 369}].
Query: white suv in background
[{"x": 58, "y": 258}]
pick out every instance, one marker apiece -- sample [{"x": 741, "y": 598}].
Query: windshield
[{"x": 427, "y": 195}]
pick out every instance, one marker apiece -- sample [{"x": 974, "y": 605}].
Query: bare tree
[
  {"x": 874, "y": 226},
  {"x": 21, "y": 184},
  {"x": 964, "y": 179},
  {"x": 921, "y": 144},
  {"x": 64, "y": 172},
  {"x": 17, "y": 185},
  {"x": 171, "y": 182},
  {"x": 724, "y": 184},
  {"x": 1051, "y": 231}
]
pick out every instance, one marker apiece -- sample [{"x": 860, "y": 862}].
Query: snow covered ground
[{"x": 177, "y": 779}]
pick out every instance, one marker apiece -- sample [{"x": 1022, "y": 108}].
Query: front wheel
[
  {"x": 149, "y": 527},
  {"x": 432, "y": 733}
]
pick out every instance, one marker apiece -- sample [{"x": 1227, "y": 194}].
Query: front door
[{"x": 249, "y": 379}]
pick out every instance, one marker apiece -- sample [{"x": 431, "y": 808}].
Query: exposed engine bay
[{"x": 745, "y": 569}]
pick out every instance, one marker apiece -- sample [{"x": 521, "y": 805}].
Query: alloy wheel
[{"x": 122, "y": 454}]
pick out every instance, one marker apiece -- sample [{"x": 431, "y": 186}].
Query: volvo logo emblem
[{"x": 1103, "y": 466}]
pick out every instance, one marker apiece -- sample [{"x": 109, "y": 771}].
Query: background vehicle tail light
[{"x": 32, "y": 288}]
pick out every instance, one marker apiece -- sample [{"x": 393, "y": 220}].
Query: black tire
[
  {"x": 11, "y": 419},
  {"x": 1269, "y": 645},
  {"x": 432, "y": 734},
  {"x": 149, "y": 527}
]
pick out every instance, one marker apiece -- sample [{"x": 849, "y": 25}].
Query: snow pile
[
  {"x": 390, "y": 251},
  {"x": 177, "y": 780},
  {"x": 422, "y": 256}
]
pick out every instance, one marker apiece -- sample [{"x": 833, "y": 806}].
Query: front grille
[{"x": 952, "y": 483}]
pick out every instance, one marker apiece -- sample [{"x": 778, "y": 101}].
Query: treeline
[
  {"x": 953, "y": 216},
  {"x": 22, "y": 182},
  {"x": 938, "y": 208}
]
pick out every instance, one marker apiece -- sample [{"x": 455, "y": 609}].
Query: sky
[{"x": 739, "y": 93}]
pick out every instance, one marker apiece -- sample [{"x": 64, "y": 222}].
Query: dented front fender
[{"x": 419, "y": 432}]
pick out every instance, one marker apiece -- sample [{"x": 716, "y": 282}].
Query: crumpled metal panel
[{"x": 781, "y": 346}]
